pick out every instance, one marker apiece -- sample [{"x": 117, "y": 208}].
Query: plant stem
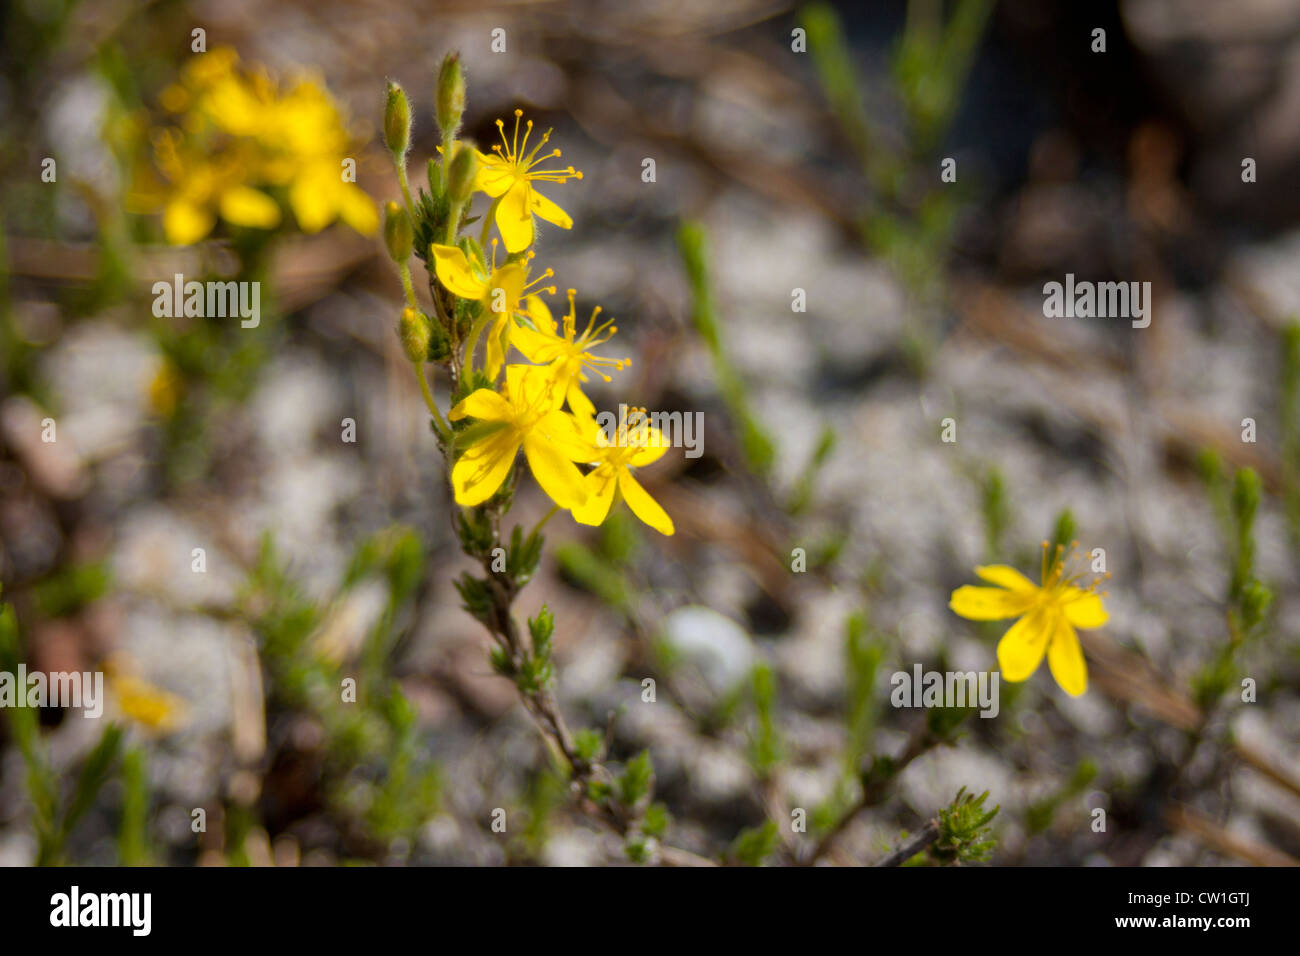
[
  {"x": 407, "y": 286},
  {"x": 441, "y": 425},
  {"x": 928, "y": 835}
]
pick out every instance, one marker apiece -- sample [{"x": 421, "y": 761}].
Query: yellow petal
[
  {"x": 642, "y": 505},
  {"x": 600, "y": 495},
  {"x": 311, "y": 205},
  {"x": 515, "y": 219},
  {"x": 558, "y": 476},
  {"x": 543, "y": 207},
  {"x": 479, "y": 472},
  {"x": 562, "y": 432},
  {"x": 535, "y": 346},
  {"x": 484, "y": 404},
  {"x": 1084, "y": 609},
  {"x": 454, "y": 272},
  {"x": 579, "y": 403},
  {"x": 249, "y": 207},
  {"x": 1021, "y": 649},
  {"x": 1065, "y": 658},
  {"x": 650, "y": 444},
  {"x": 498, "y": 341},
  {"x": 357, "y": 210},
  {"x": 494, "y": 175},
  {"x": 540, "y": 314},
  {"x": 1005, "y": 576},
  {"x": 989, "y": 604},
  {"x": 185, "y": 222}
]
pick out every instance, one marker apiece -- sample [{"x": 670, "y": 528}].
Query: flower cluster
[
  {"x": 241, "y": 147},
  {"x": 496, "y": 297}
]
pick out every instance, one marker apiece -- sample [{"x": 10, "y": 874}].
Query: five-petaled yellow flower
[
  {"x": 1048, "y": 616},
  {"x": 635, "y": 443},
  {"x": 507, "y": 175},
  {"x": 528, "y": 415},
  {"x": 500, "y": 292},
  {"x": 568, "y": 355}
]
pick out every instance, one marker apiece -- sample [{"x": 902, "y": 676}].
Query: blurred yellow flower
[
  {"x": 165, "y": 389},
  {"x": 635, "y": 443},
  {"x": 152, "y": 708},
  {"x": 507, "y": 175},
  {"x": 1048, "y": 616},
  {"x": 237, "y": 143},
  {"x": 527, "y": 414},
  {"x": 568, "y": 355}
]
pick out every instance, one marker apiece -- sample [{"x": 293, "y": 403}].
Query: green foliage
[
  {"x": 133, "y": 830},
  {"x": 964, "y": 831},
  {"x": 589, "y": 744},
  {"x": 801, "y": 495},
  {"x": 523, "y": 556},
  {"x": 1065, "y": 532},
  {"x": 635, "y": 782},
  {"x": 376, "y": 771},
  {"x": 863, "y": 653},
  {"x": 67, "y": 590},
  {"x": 765, "y": 745},
  {"x": 1248, "y": 599},
  {"x": 755, "y": 444},
  {"x": 583, "y": 567},
  {"x": 908, "y": 215},
  {"x": 754, "y": 845},
  {"x": 995, "y": 509}
]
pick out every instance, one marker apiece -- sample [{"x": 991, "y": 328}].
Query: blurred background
[{"x": 798, "y": 153}]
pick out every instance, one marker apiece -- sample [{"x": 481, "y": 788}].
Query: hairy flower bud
[
  {"x": 398, "y": 236},
  {"x": 413, "y": 330},
  {"x": 450, "y": 97},
  {"x": 460, "y": 177},
  {"x": 397, "y": 121}
]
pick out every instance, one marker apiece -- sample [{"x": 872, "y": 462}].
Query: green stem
[
  {"x": 541, "y": 524},
  {"x": 400, "y": 162},
  {"x": 438, "y": 421},
  {"x": 407, "y": 286},
  {"x": 472, "y": 342},
  {"x": 488, "y": 218}
]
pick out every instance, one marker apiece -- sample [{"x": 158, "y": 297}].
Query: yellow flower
[
  {"x": 527, "y": 415},
  {"x": 237, "y": 136},
  {"x": 500, "y": 292},
  {"x": 507, "y": 175},
  {"x": 304, "y": 130},
  {"x": 154, "y": 709},
  {"x": 636, "y": 443},
  {"x": 568, "y": 357},
  {"x": 1048, "y": 616},
  {"x": 196, "y": 188}
]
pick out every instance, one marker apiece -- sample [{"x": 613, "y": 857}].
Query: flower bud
[
  {"x": 398, "y": 236},
  {"x": 460, "y": 178},
  {"x": 397, "y": 121},
  {"x": 413, "y": 330},
  {"x": 450, "y": 97},
  {"x": 435, "y": 178}
]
